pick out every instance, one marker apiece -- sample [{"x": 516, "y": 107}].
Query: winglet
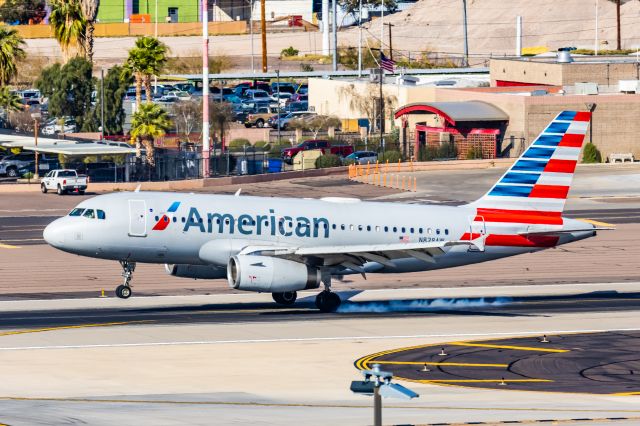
[
  {"x": 237, "y": 194},
  {"x": 138, "y": 188}
]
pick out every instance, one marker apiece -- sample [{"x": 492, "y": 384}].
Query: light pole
[
  {"x": 278, "y": 118},
  {"x": 102, "y": 104},
  {"x": 205, "y": 89},
  {"x": 36, "y": 124},
  {"x": 155, "y": 77},
  {"x": 359, "y": 38},
  {"x": 253, "y": 68},
  {"x": 464, "y": 27}
]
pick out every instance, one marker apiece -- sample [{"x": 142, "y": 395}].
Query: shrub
[
  {"x": 428, "y": 153},
  {"x": 27, "y": 175},
  {"x": 237, "y": 145},
  {"x": 276, "y": 150},
  {"x": 289, "y": 51},
  {"x": 391, "y": 157},
  {"x": 306, "y": 67},
  {"x": 328, "y": 160},
  {"x": 262, "y": 145},
  {"x": 474, "y": 153},
  {"x": 448, "y": 150},
  {"x": 591, "y": 154}
]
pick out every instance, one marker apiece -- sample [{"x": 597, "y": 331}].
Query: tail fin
[{"x": 538, "y": 182}]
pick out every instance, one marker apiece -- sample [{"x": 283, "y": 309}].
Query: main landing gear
[
  {"x": 328, "y": 301},
  {"x": 287, "y": 298},
  {"x": 124, "y": 291}
]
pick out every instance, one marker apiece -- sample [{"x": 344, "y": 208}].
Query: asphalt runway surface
[
  {"x": 594, "y": 363},
  {"x": 305, "y": 310}
]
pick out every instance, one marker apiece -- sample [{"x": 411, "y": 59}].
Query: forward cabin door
[{"x": 137, "y": 218}]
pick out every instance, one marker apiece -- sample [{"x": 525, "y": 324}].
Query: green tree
[
  {"x": 23, "y": 12},
  {"x": 116, "y": 83},
  {"x": 69, "y": 27},
  {"x": 353, "y": 6},
  {"x": 145, "y": 60},
  {"x": 68, "y": 88},
  {"x": 89, "y": 10},
  {"x": 148, "y": 123},
  {"x": 11, "y": 52},
  {"x": 591, "y": 154},
  {"x": 220, "y": 117},
  {"x": 10, "y": 101}
]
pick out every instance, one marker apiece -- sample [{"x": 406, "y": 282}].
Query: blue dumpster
[{"x": 275, "y": 165}]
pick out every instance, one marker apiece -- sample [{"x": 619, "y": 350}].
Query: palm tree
[
  {"x": 10, "y": 101},
  {"x": 10, "y": 52},
  {"x": 69, "y": 27},
  {"x": 149, "y": 122},
  {"x": 146, "y": 60},
  {"x": 90, "y": 12}
]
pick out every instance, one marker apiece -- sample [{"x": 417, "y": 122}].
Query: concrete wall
[{"x": 125, "y": 30}]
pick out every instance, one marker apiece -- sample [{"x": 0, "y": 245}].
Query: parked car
[
  {"x": 54, "y": 126},
  {"x": 296, "y": 106},
  {"x": 284, "y": 87},
  {"x": 259, "y": 117},
  {"x": 284, "y": 98},
  {"x": 185, "y": 87},
  {"x": 300, "y": 97},
  {"x": 362, "y": 157},
  {"x": 286, "y": 118},
  {"x": 16, "y": 165},
  {"x": 63, "y": 181},
  {"x": 232, "y": 99},
  {"x": 256, "y": 95},
  {"x": 323, "y": 145}
]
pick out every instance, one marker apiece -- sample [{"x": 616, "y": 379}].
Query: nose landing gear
[
  {"x": 287, "y": 298},
  {"x": 123, "y": 291}
]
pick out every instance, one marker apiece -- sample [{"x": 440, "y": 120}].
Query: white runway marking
[{"x": 321, "y": 339}]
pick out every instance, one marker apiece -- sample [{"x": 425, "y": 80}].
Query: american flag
[
  {"x": 403, "y": 238},
  {"x": 386, "y": 63}
]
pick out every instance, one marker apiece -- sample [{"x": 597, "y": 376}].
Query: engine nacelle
[
  {"x": 270, "y": 274},
  {"x": 205, "y": 272}
]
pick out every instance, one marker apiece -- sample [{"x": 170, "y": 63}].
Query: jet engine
[
  {"x": 270, "y": 274},
  {"x": 205, "y": 272}
]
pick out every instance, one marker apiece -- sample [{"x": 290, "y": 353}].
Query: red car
[{"x": 323, "y": 145}]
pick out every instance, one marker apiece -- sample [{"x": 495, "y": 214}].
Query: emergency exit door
[{"x": 137, "y": 218}]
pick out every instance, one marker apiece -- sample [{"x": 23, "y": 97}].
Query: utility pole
[
  {"x": 466, "y": 40},
  {"x": 278, "y": 108},
  {"x": 390, "y": 25},
  {"x": 359, "y": 38},
  {"x": 263, "y": 23},
  {"x": 155, "y": 32},
  {"x": 334, "y": 25},
  {"x": 619, "y": 42},
  {"x": 381, "y": 23},
  {"x": 595, "y": 47},
  {"x": 326, "y": 48},
  {"x": 518, "y": 36},
  {"x": 381, "y": 107},
  {"x": 205, "y": 89}
]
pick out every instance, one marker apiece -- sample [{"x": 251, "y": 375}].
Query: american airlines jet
[{"x": 281, "y": 245}]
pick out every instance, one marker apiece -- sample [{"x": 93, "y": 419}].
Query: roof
[
  {"x": 66, "y": 147},
  {"x": 453, "y": 112}
]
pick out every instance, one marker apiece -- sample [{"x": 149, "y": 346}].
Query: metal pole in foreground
[
  {"x": 377, "y": 407},
  {"x": 36, "y": 175},
  {"x": 253, "y": 68},
  {"x": 334, "y": 27},
  {"x": 102, "y": 104},
  {"x": 205, "y": 90},
  {"x": 466, "y": 41},
  {"x": 155, "y": 32},
  {"x": 360, "y": 39},
  {"x": 518, "y": 36},
  {"x": 595, "y": 47}
]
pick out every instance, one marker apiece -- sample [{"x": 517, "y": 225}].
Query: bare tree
[
  {"x": 316, "y": 123},
  {"x": 366, "y": 102},
  {"x": 187, "y": 117}
]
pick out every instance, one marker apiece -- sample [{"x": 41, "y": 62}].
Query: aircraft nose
[{"x": 54, "y": 234}]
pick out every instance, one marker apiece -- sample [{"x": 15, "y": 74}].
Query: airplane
[{"x": 282, "y": 246}]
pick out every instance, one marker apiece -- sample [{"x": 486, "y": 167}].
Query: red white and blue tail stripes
[
  {"x": 540, "y": 180},
  {"x": 533, "y": 192}
]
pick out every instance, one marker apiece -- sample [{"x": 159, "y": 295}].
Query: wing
[{"x": 355, "y": 256}]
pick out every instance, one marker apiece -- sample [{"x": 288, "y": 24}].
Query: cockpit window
[
  {"x": 89, "y": 213},
  {"x": 76, "y": 212},
  {"x": 101, "y": 214}
]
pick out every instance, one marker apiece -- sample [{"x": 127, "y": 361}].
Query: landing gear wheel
[
  {"x": 328, "y": 301},
  {"x": 123, "y": 291},
  {"x": 43, "y": 188},
  {"x": 287, "y": 298}
]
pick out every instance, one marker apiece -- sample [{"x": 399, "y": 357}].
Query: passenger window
[
  {"x": 334, "y": 226},
  {"x": 395, "y": 229},
  {"x": 404, "y": 230},
  {"x": 438, "y": 231},
  {"x": 386, "y": 229},
  {"x": 359, "y": 227},
  {"x": 76, "y": 212},
  {"x": 89, "y": 213},
  {"x": 342, "y": 227},
  {"x": 412, "y": 230},
  {"x": 420, "y": 230},
  {"x": 446, "y": 232},
  {"x": 102, "y": 216}
]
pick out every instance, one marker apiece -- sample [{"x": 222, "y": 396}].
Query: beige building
[{"x": 529, "y": 92}]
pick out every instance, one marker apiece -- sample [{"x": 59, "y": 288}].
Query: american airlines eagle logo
[{"x": 164, "y": 221}]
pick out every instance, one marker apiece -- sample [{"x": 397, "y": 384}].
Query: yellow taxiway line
[
  {"x": 7, "y": 246},
  {"x": 597, "y": 223},
  {"x": 488, "y": 381},
  {"x": 517, "y": 348},
  {"x": 70, "y": 327}
]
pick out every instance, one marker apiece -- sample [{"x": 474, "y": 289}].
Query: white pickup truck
[{"x": 63, "y": 181}]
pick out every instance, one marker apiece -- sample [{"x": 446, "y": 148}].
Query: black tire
[
  {"x": 12, "y": 172},
  {"x": 80, "y": 191},
  {"x": 43, "y": 188},
  {"x": 61, "y": 191},
  {"x": 247, "y": 125},
  {"x": 123, "y": 291},
  {"x": 328, "y": 301},
  {"x": 287, "y": 298},
  {"x": 260, "y": 123}
]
